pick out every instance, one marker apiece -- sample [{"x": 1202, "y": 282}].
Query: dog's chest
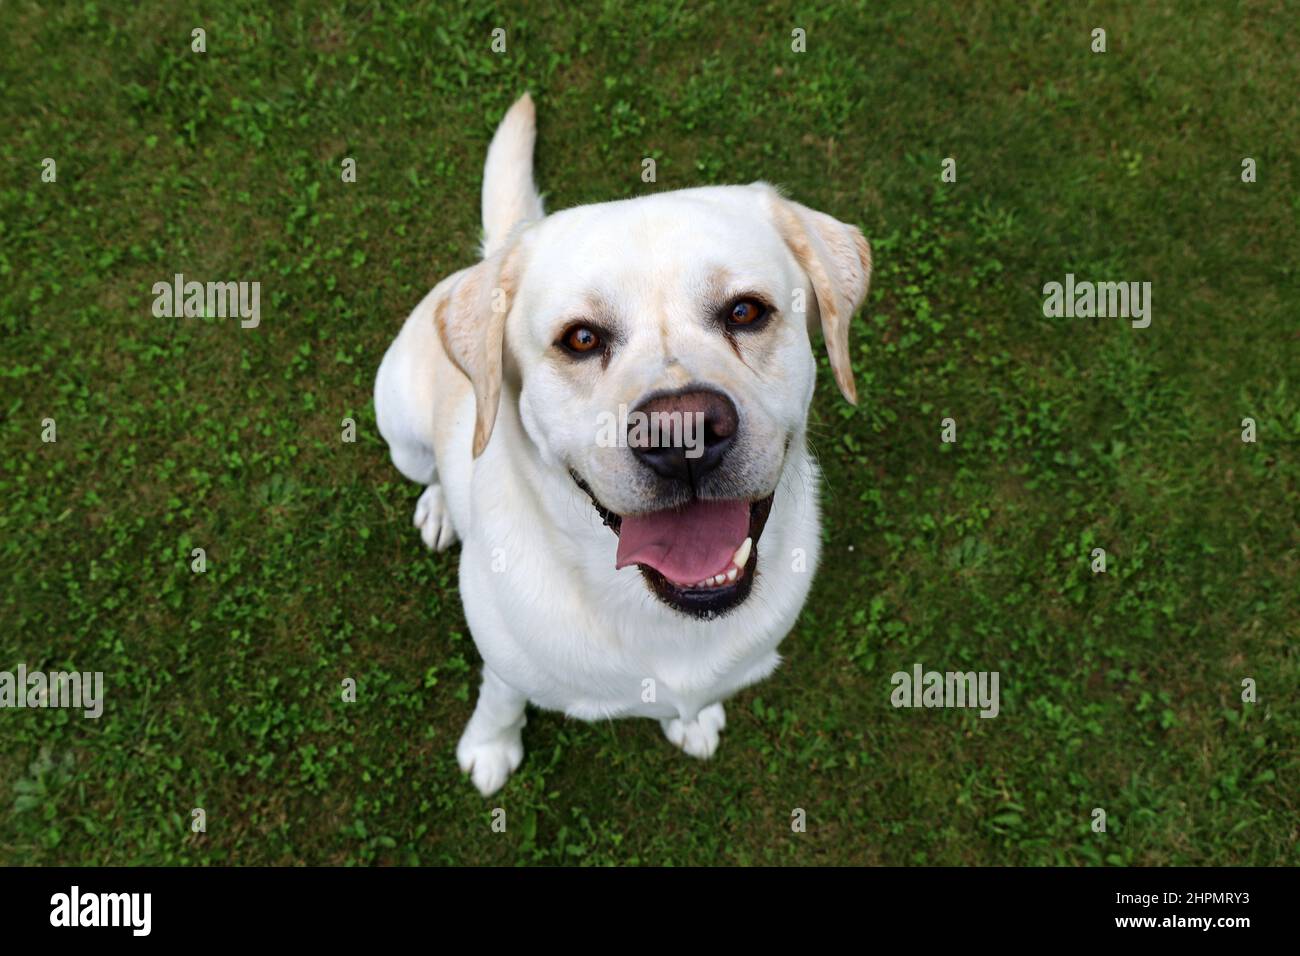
[{"x": 660, "y": 682}]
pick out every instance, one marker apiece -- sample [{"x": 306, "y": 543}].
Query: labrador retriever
[{"x": 607, "y": 574}]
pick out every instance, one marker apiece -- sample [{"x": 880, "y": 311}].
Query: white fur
[{"x": 555, "y": 623}]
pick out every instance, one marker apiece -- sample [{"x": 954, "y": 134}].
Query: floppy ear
[
  {"x": 471, "y": 323},
  {"x": 837, "y": 259}
]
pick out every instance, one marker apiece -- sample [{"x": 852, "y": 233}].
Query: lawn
[{"x": 1120, "y": 690}]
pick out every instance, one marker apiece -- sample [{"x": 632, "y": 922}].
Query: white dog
[{"x": 609, "y": 575}]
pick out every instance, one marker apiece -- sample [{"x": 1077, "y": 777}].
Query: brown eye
[
  {"x": 745, "y": 312},
  {"x": 581, "y": 339}
]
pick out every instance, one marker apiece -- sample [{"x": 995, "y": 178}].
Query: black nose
[{"x": 683, "y": 435}]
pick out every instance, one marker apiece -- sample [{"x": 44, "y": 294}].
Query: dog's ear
[
  {"x": 837, "y": 259},
  {"x": 471, "y": 323}
]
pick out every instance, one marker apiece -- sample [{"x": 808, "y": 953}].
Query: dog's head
[{"x": 661, "y": 353}]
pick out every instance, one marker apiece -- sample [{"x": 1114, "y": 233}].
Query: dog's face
[{"x": 663, "y": 361}]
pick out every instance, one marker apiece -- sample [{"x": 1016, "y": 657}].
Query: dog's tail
[{"x": 509, "y": 196}]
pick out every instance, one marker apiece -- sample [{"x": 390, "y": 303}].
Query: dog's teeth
[
  {"x": 718, "y": 580},
  {"x": 741, "y": 556}
]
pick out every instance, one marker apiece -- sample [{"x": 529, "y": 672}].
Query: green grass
[{"x": 1119, "y": 691}]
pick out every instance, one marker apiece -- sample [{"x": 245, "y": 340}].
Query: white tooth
[
  {"x": 731, "y": 575},
  {"x": 718, "y": 579},
  {"x": 742, "y": 553}
]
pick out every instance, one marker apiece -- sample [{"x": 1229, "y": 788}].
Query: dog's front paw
[
  {"x": 698, "y": 737},
  {"x": 433, "y": 520},
  {"x": 490, "y": 761}
]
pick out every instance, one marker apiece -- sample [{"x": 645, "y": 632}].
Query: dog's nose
[{"x": 684, "y": 435}]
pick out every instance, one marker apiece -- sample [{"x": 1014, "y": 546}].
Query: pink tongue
[{"x": 687, "y": 545}]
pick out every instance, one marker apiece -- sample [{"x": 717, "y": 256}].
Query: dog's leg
[
  {"x": 698, "y": 737},
  {"x": 404, "y": 410},
  {"x": 434, "y": 520},
  {"x": 492, "y": 745}
]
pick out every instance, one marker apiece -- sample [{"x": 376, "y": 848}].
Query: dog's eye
[
  {"x": 580, "y": 340},
  {"x": 745, "y": 312}
]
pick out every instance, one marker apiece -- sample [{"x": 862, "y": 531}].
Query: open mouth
[{"x": 699, "y": 559}]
